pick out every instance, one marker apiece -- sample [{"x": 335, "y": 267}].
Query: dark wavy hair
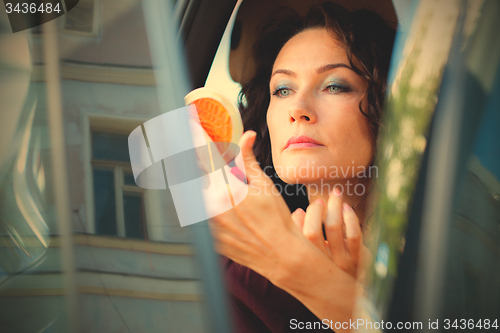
[{"x": 368, "y": 43}]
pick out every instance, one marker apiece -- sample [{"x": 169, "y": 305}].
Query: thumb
[{"x": 252, "y": 168}]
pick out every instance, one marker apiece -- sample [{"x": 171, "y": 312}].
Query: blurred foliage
[{"x": 408, "y": 113}]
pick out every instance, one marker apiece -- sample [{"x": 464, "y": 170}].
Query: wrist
[
  {"x": 311, "y": 277},
  {"x": 297, "y": 264},
  {"x": 290, "y": 263}
]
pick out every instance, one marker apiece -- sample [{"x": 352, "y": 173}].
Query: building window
[
  {"x": 118, "y": 203},
  {"x": 82, "y": 19}
]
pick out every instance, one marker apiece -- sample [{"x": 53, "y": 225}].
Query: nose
[{"x": 302, "y": 110}]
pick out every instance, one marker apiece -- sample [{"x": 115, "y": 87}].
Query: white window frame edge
[
  {"x": 88, "y": 177},
  {"x": 100, "y": 74},
  {"x": 108, "y": 124},
  {"x": 120, "y": 214}
]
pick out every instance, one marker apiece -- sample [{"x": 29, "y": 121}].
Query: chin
[
  {"x": 301, "y": 172},
  {"x": 300, "y": 180}
]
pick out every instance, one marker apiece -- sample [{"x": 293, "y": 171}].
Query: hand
[
  {"x": 344, "y": 243},
  {"x": 257, "y": 232}
]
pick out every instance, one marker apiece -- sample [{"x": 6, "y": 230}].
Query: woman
[{"x": 313, "y": 106}]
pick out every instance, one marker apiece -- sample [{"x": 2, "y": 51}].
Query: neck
[{"x": 354, "y": 191}]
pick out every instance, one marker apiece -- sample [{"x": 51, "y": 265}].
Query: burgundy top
[{"x": 258, "y": 306}]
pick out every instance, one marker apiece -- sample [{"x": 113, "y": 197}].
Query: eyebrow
[
  {"x": 325, "y": 68},
  {"x": 319, "y": 70},
  {"x": 284, "y": 71}
]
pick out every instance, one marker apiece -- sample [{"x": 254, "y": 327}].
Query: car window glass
[
  {"x": 470, "y": 287},
  {"x": 130, "y": 267},
  {"x": 412, "y": 97}
]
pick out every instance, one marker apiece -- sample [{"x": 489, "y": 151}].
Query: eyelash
[
  {"x": 340, "y": 88},
  {"x": 276, "y": 92}
]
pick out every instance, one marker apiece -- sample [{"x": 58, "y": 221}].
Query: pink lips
[{"x": 302, "y": 141}]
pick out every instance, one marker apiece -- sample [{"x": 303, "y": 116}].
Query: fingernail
[
  {"x": 300, "y": 211},
  {"x": 347, "y": 208},
  {"x": 319, "y": 201},
  {"x": 336, "y": 191}
]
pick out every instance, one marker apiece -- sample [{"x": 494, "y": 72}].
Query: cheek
[
  {"x": 271, "y": 116},
  {"x": 350, "y": 133},
  {"x": 361, "y": 138},
  {"x": 272, "y": 125},
  {"x": 277, "y": 133},
  {"x": 365, "y": 124}
]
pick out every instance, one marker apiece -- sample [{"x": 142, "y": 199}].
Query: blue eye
[
  {"x": 337, "y": 88},
  {"x": 333, "y": 88},
  {"x": 281, "y": 92}
]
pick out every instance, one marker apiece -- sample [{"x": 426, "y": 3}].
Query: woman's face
[{"x": 316, "y": 94}]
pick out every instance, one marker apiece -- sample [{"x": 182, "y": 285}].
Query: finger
[
  {"x": 365, "y": 260},
  {"x": 353, "y": 232},
  {"x": 254, "y": 173},
  {"x": 298, "y": 218},
  {"x": 333, "y": 225},
  {"x": 327, "y": 247},
  {"x": 240, "y": 164},
  {"x": 312, "y": 224},
  {"x": 365, "y": 256}
]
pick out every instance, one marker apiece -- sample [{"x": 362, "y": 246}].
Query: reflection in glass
[
  {"x": 135, "y": 226},
  {"x": 135, "y": 267},
  {"x": 472, "y": 286},
  {"x": 110, "y": 147},
  {"x": 81, "y": 17},
  {"x": 407, "y": 115},
  {"x": 105, "y": 203}
]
